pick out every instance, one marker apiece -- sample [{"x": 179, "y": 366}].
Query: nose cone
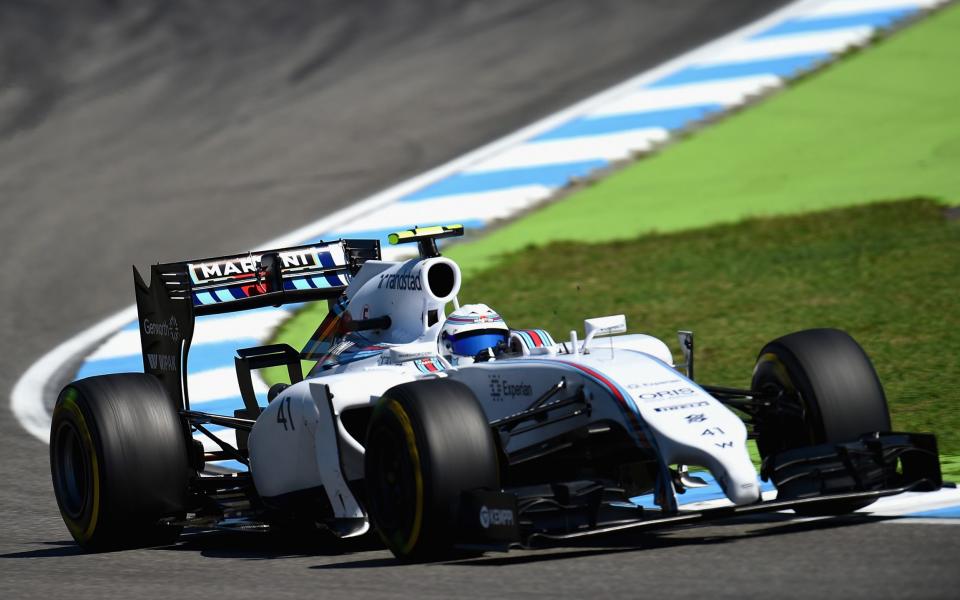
[
  {"x": 739, "y": 481},
  {"x": 746, "y": 492}
]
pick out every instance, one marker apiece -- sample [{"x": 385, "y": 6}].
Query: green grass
[
  {"x": 889, "y": 274},
  {"x": 950, "y": 465},
  {"x": 879, "y": 125}
]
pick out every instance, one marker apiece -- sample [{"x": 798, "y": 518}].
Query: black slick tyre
[
  {"x": 427, "y": 442},
  {"x": 828, "y": 391},
  {"x": 118, "y": 458}
]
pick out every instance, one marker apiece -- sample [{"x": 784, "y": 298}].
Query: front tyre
[
  {"x": 428, "y": 442},
  {"x": 118, "y": 458},
  {"x": 827, "y": 391}
]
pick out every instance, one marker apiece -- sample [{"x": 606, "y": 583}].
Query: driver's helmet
[{"x": 469, "y": 330}]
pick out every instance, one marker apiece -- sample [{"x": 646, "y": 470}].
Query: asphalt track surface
[{"x": 137, "y": 132}]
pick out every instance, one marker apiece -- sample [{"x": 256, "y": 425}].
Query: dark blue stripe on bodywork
[{"x": 328, "y": 263}]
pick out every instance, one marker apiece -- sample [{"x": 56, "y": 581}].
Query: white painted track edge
[{"x": 26, "y": 399}]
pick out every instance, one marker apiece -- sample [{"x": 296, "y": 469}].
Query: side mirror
[
  {"x": 686, "y": 347},
  {"x": 603, "y": 326},
  {"x": 271, "y": 266}
]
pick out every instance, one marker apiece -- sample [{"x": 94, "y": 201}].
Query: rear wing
[{"x": 180, "y": 292}]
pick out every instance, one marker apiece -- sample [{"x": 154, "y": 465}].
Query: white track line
[
  {"x": 831, "y": 42},
  {"x": 893, "y": 506},
  {"x": 26, "y": 400},
  {"x": 454, "y": 208},
  {"x": 615, "y": 146},
  {"x": 912, "y": 502},
  {"x": 924, "y": 521},
  {"x": 726, "y": 92},
  {"x": 839, "y": 8}
]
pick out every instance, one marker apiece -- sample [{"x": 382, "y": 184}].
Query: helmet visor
[{"x": 471, "y": 343}]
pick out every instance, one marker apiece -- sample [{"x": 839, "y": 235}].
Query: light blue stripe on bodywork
[
  {"x": 551, "y": 176},
  {"x": 301, "y": 284},
  {"x": 545, "y": 338},
  {"x": 223, "y": 295},
  {"x": 206, "y": 298},
  {"x": 527, "y": 340},
  {"x": 567, "y": 364},
  {"x": 673, "y": 118},
  {"x": 883, "y": 18},
  {"x": 781, "y": 67}
]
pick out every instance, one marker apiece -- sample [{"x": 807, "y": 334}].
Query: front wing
[{"x": 812, "y": 479}]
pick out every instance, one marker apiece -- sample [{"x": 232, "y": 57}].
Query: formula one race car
[{"x": 444, "y": 431}]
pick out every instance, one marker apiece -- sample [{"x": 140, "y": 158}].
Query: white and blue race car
[{"x": 444, "y": 431}]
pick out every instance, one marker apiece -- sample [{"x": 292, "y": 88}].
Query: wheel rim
[
  {"x": 787, "y": 418},
  {"x": 393, "y": 485},
  {"x": 787, "y": 422},
  {"x": 72, "y": 473}
]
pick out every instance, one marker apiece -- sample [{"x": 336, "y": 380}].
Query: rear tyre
[
  {"x": 828, "y": 392},
  {"x": 428, "y": 442},
  {"x": 118, "y": 457}
]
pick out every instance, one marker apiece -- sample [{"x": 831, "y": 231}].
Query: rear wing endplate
[{"x": 180, "y": 292}]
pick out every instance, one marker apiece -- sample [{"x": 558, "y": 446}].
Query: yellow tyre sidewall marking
[
  {"x": 70, "y": 405},
  {"x": 397, "y": 409}
]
